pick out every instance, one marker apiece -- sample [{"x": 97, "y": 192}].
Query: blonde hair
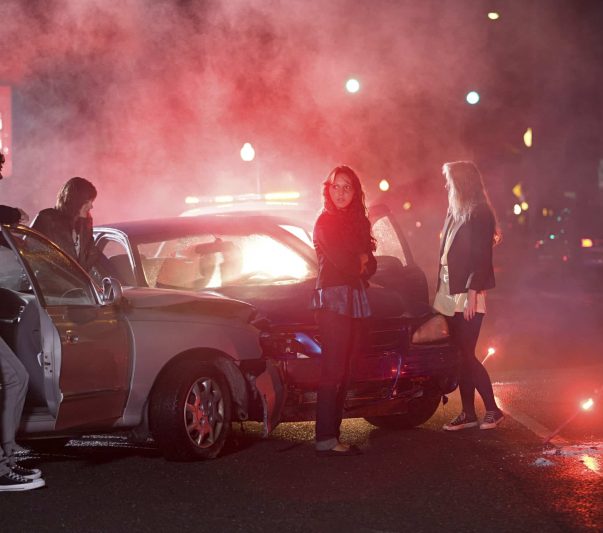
[{"x": 466, "y": 191}]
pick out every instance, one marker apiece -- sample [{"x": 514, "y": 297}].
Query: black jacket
[
  {"x": 57, "y": 227},
  {"x": 9, "y": 215},
  {"x": 338, "y": 252},
  {"x": 470, "y": 254}
]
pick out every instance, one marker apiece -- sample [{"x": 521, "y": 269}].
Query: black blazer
[
  {"x": 57, "y": 227},
  {"x": 338, "y": 256},
  {"x": 470, "y": 254},
  {"x": 9, "y": 215}
]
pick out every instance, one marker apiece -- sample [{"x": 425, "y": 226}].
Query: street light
[
  {"x": 248, "y": 155},
  {"x": 247, "y": 152},
  {"x": 352, "y": 85},
  {"x": 472, "y": 97}
]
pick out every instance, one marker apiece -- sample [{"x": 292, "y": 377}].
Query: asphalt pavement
[{"x": 547, "y": 363}]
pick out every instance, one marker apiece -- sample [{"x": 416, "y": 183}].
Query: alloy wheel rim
[{"x": 204, "y": 412}]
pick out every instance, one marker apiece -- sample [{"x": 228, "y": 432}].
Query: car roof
[{"x": 219, "y": 223}]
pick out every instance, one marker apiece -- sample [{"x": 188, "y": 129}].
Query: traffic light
[{"x": 5, "y": 128}]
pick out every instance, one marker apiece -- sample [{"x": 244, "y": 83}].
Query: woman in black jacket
[
  {"x": 465, "y": 273},
  {"x": 69, "y": 225},
  {"x": 344, "y": 248}
]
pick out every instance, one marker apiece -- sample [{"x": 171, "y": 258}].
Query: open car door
[
  {"x": 82, "y": 370},
  {"x": 396, "y": 268}
]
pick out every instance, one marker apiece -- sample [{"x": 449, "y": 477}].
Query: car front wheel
[
  {"x": 420, "y": 410},
  {"x": 190, "y": 411}
]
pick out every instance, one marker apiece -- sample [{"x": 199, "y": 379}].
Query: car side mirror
[{"x": 112, "y": 291}]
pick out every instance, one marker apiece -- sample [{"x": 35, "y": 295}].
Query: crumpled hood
[{"x": 210, "y": 303}]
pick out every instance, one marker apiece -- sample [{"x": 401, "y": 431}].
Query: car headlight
[
  {"x": 435, "y": 329},
  {"x": 289, "y": 345}
]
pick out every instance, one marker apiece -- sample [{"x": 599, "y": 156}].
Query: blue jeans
[
  {"x": 14, "y": 380},
  {"x": 464, "y": 334},
  {"x": 341, "y": 339}
]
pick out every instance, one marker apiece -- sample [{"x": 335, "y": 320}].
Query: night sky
[{"x": 152, "y": 100}]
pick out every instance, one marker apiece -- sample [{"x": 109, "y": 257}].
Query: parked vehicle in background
[
  {"x": 407, "y": 364},
  {"x": 168, "y": 364}
]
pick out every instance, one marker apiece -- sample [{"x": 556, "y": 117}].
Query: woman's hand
[{"x": 471, "y": 306}]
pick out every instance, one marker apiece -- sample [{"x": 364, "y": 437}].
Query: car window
[
  {"x": 117, "y": 253},
  {"x": 211, "y": 261},
  {"x": 12, "y": 273},
  {"x": 388, "y": 242},
  {"x": 299, "y": 232},
  {"x": 61, "y": 281}
]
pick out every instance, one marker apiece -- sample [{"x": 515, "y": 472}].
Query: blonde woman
[{"x": 465, "y": 273}]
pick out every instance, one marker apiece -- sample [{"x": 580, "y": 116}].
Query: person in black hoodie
[
  {"x": 465, "y": 273},
  {"x": 69, "y": 225},
  {"x": 10, "y": 215},
  {"x": 344, "y": 248}
]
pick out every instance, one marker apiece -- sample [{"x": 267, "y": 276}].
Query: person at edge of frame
[{"x": 14, "y": 381}]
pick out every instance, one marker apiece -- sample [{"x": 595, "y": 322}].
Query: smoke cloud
[{"x": 152, "y": 99}]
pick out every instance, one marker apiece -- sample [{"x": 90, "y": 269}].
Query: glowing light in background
[
  {"x": 472, "y": 97},
  {"x": 527, "y": 137},
  {"x": 384, "y": 185},
  {"x": 586, "y": 243},
  {"x": 493, "y": 15},
  {"x": 491, "y": 351},
  {"x": 352, "y": 85},
  {"x": 285, "y": 195},
  {"x": 247, "y": 152},
  {"x": 588, "y": 404},
  {"x": 517, "y": 209},
  {"x": 224, "y": 199},
  {"x": 272, "y": 260},
  {"x": 590, "y": 462},
  {"x": 524, "y": 206},
  {"x": 418, "y": 224},
  {"x": 191, "y": 200},
  {"x": 406, "y": 206}
]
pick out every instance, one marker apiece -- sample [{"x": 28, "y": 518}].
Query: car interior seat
[
  {"x": 178, "y": 273},
  {"x": 123, "y": 269}
]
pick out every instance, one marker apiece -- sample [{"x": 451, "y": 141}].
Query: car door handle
[{"x": 71, "y": 337}]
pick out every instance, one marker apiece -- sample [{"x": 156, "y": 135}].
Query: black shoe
[
  {"x": 492, "y": 419},
  {"x": 11, "y": 482},
  {"x": 461, "y": 421},
  {"x": 27, "y": 473},
  {"x": 352, "y": 450}
]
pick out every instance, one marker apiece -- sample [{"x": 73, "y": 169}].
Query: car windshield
[{"x": 207, "y": 261}]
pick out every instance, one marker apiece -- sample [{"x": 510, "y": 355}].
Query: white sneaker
[{"x": 11, "y": 482}]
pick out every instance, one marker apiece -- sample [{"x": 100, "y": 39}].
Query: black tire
[
  {"x": 420, "y": 410},
  {"x": 198, "y": 431}
]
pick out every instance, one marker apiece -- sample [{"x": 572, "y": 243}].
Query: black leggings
[{"x": 473, "y": 374}]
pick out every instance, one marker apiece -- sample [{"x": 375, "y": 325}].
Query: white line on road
[{"x": 533, "y": 425}]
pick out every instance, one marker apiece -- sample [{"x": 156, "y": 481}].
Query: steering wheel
[{"x": 78, "y": 292}]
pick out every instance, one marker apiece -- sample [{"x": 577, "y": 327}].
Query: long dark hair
[
  {"x": 73, "y": 195},
  {"x": 360, "y": 225}
]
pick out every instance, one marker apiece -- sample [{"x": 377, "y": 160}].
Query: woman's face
[
  {"x": 85, "y": 209},
  {"x": 341, "y": 191}
]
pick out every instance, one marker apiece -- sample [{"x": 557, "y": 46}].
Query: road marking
[{"x": 533, "y": 425}]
